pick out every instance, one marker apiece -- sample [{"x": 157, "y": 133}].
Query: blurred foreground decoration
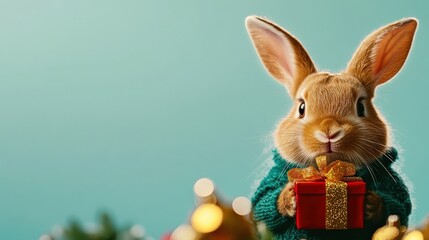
[
  {"x": 106, "y": 230},
  {"x": 393, "y": 230},
  {"x": 213, "y": 219}
]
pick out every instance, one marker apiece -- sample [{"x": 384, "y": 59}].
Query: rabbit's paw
[
  {"x": 286, "y": 203},
  {"x": 374, "y": 209}
]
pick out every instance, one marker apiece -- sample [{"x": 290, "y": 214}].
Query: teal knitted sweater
[{"x": 385, "y": 182}]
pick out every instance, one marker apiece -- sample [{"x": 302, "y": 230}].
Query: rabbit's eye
[
  {"x": 301, "y": 109},
  {"x": 360, "y": 108}
]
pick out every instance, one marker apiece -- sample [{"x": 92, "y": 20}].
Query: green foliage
[{"x": 106, "y": 230}]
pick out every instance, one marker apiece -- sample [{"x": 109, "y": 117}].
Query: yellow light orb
[
  {"x": 207, "y": 218},
  {"x": 414, "y": 235}
]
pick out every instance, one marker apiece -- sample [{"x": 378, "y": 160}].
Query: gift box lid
[{"x": 318, "y": 187}]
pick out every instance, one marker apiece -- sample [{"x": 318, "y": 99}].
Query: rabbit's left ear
[
  {"x": 383, "y": 53},
  {"x": 282, "y": 54}
]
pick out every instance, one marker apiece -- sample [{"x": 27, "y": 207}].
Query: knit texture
[{"x": 385, "y": 182}]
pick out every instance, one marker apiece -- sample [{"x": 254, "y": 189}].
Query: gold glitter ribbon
[
  {"x": 336, "y": 205},
  {"x": 336, "y": 190}
]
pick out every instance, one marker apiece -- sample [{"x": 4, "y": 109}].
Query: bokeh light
[{"x": 207, "y": 218}]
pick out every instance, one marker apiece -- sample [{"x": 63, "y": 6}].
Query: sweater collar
[{"x": 385, "y": 160}]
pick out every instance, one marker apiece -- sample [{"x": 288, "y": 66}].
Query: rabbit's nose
[
  {"x": 329, "y": 131},
  {"x": 331, "y": 136},
  {"x": 336, "y": 135}
]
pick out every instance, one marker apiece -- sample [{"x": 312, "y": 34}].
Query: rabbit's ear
[
  {"x": 383, "y": 53},
  {"x": 282, "y": 54}
]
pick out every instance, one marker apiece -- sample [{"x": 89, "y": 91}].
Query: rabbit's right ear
[
  {"x": 282, "y": 54},
  {"x": 382, "y": 54}
]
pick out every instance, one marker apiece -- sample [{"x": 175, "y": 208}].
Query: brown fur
[
  {"x": 286, "y": 202},
  {"x": 331, "y": 125},
  {"x": 374, "y": 209},
  {"x": 365, "y": 138}
]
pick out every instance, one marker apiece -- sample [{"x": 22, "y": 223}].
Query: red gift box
[{"x": 311, "y": 205}]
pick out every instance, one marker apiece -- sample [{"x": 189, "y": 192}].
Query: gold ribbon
[{"x": 336, "y": 190}]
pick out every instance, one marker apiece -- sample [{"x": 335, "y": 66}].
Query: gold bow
[{"x": 335, "y": 171}]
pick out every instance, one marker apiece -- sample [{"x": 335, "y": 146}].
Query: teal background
[{"x": 123, "y": 105}]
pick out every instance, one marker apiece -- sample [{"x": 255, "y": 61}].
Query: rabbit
[{"x": 332, "y": 115}]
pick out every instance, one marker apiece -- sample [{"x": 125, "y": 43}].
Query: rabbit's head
[{"x": 333, "y": 113}]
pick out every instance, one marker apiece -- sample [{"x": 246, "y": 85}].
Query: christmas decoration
[
  {"x": 326, "y": 198},
  {"x": 106, "y": 230},
  {"x": 424, "y": 229},
  {"x": 216, "y": 219},
  {"x": 213, "y": 219},
  {"x": 393, "y": 230},
  {"x": 420, "y": 233}
]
